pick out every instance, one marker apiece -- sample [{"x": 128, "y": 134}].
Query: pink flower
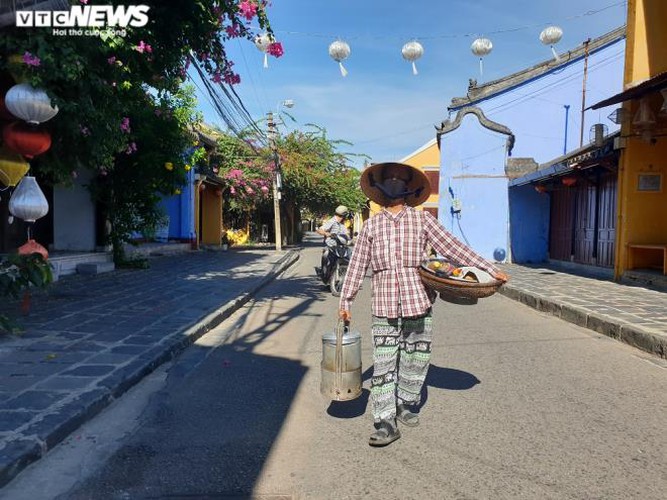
[
  {"x": 264, "y": 189},
  {"x": 232, "y": 191},
  {"x": 233, "y": 31},
  {"x": 248, "y": 9},
  {"x": 31, "y": 60},
  {"x": 249, "y": 190},
  {"x": 275, "y": 49},
  {"x": 85, "y": 131},
  {"x": 84, "y": 2},
  {"x": 143, "y": 47},
  {"x": 131, "y": 148},
  {"x": 232, "y": 78},
  {"x": 216, "y": 77},
  {"x": 125, "y": 125}
]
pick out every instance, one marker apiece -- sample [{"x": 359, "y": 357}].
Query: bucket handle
[{"x": 341, "y": 327}]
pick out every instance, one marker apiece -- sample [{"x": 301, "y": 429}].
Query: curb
[
  {"x": 636, "y": 336},
  {"x": 55, "y": 427}
]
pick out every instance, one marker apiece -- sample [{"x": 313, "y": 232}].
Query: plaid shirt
[{"x": 395, "y": 246}]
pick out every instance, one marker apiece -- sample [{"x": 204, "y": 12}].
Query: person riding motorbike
[{"x": 335, "y": 225}]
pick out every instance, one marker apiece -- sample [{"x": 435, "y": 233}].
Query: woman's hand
[
  {"x": 501, "y": 276},
  {"x": 344, "y": 315}
]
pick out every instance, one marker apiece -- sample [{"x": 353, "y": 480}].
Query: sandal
[
  {"x": 384, "y": 435},
  {"x": 406, "y": 417}
]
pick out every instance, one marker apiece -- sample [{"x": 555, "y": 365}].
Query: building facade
[{"x": 506, "y": 128}]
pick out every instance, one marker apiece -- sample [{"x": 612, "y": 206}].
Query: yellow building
[
  {"x": 426, "y": 158},
  {"x": 641, "y": 237}
]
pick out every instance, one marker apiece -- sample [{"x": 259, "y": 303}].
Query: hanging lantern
[
  {"x": 481, "y": 47},
  {"x": 262, "y": 43},
  {"x": 569, "y": 181},
  {"x": 644, "y": 117},
  {"x": 25, "y": 139},
  {"x": 663, "y": 108},
  {"x": 551, "y": 36},
  {"x": 31, "y": 246},
  {"x": 339, "y": 51},
  {"x": 27, "y": 201},
  {"x": 412, "y": 51},
  {"x": 541, "y": 188},
  {"x": 12, "y": 167},
  {"x": 30, "y": 104}
]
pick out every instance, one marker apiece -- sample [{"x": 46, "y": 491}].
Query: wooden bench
[{"x": 643, "y": 256}]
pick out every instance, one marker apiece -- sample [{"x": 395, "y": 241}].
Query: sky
[{"x": 380, "y": 107}]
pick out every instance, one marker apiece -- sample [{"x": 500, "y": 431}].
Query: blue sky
[{"x": 381, "y": 107}]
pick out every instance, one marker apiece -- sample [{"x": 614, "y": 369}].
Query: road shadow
[
  {"x": 438, "y": 377},
  {"x": 350, "y": 409}
]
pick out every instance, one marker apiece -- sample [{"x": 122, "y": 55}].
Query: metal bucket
[{"x": 341, "y": 364}]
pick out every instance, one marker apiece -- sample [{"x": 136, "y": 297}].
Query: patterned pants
[{"x": 400, "y": 362}]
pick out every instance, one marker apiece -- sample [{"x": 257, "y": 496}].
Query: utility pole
[
  {"x": 583, "y": 92},
  {"x": 276, "y": 179}
]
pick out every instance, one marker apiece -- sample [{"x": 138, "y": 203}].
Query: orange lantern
[
  {"x": 25, "y": 139},
  {"x": 31, "y": 246}
]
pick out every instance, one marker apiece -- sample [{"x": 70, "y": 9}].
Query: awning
[{"x": 654, "y": 84}]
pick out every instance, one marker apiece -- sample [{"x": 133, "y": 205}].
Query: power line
[{"x": 447, "y": 35}]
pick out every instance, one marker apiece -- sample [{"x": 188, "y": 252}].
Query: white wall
[{"x": 74, "y": 216}]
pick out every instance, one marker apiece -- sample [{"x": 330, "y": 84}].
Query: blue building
[{"x": 506, "y": 128}]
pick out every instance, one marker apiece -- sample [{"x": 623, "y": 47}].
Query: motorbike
[{"x": 334, "y": 267}]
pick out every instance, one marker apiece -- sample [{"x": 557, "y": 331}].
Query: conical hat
[{"x": 373, "y": 175}]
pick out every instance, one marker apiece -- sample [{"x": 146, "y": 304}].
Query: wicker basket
[{"x": 458, "y": 291}]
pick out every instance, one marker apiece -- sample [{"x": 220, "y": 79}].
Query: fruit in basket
[{"x": 439, "y": 267}]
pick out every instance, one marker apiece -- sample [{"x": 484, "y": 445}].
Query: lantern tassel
[
  {"x": 266, "y": 60},
  {"x": 414, "y": 68},
  {"x": 343, "y": 71},
  {"x": 553, "y": 51},
  {"x": 481, "y": 67}
]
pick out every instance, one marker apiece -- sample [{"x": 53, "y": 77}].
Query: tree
[{"x": 119, "y": 96}]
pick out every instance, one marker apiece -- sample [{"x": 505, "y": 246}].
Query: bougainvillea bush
[{"x": 122, "y": 111}]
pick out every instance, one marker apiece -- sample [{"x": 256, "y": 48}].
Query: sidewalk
[
  {"x": 631, "y": 314},
  {"x": 90, "y": 338}
]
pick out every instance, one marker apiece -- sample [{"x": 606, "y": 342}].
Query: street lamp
[{"x": 277, "y": 180}]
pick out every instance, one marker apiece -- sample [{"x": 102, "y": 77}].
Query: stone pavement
[
  {"x": 90, "y": 338},
  {"x": 633, "y": 314}
]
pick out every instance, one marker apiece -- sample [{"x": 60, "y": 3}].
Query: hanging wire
[
  {"x": 454, "y": 35},
  {"x": 230, "y": 107}
]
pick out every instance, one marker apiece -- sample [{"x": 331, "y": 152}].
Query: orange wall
[{"x": 642, "y": 216}]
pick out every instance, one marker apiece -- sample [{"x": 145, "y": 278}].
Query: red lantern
[
  {"x": 541, "y": 188},
  {"x": 569, "y": 181},
  {"x": 25, "y": 139}
]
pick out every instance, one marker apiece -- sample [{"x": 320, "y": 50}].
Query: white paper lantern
[
  {"x": 30, "y": 104},
  {"x": 339, "y": 51},
  {"x": 481, "y": 47},
  {"x": 551, "y": 36},
  {"x": 412, "y": 51},
  {"x": 27, "y": 201},
  {"x": 262, "y": 43}
]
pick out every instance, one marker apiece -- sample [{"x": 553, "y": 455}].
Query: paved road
[{"x": 519, "y": 405}]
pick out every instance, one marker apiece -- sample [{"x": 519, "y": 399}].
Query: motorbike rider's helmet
[{"x": 341, "y": 210}]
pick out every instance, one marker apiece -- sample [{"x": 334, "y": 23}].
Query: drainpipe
[{"x": 567, "y": 113}]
